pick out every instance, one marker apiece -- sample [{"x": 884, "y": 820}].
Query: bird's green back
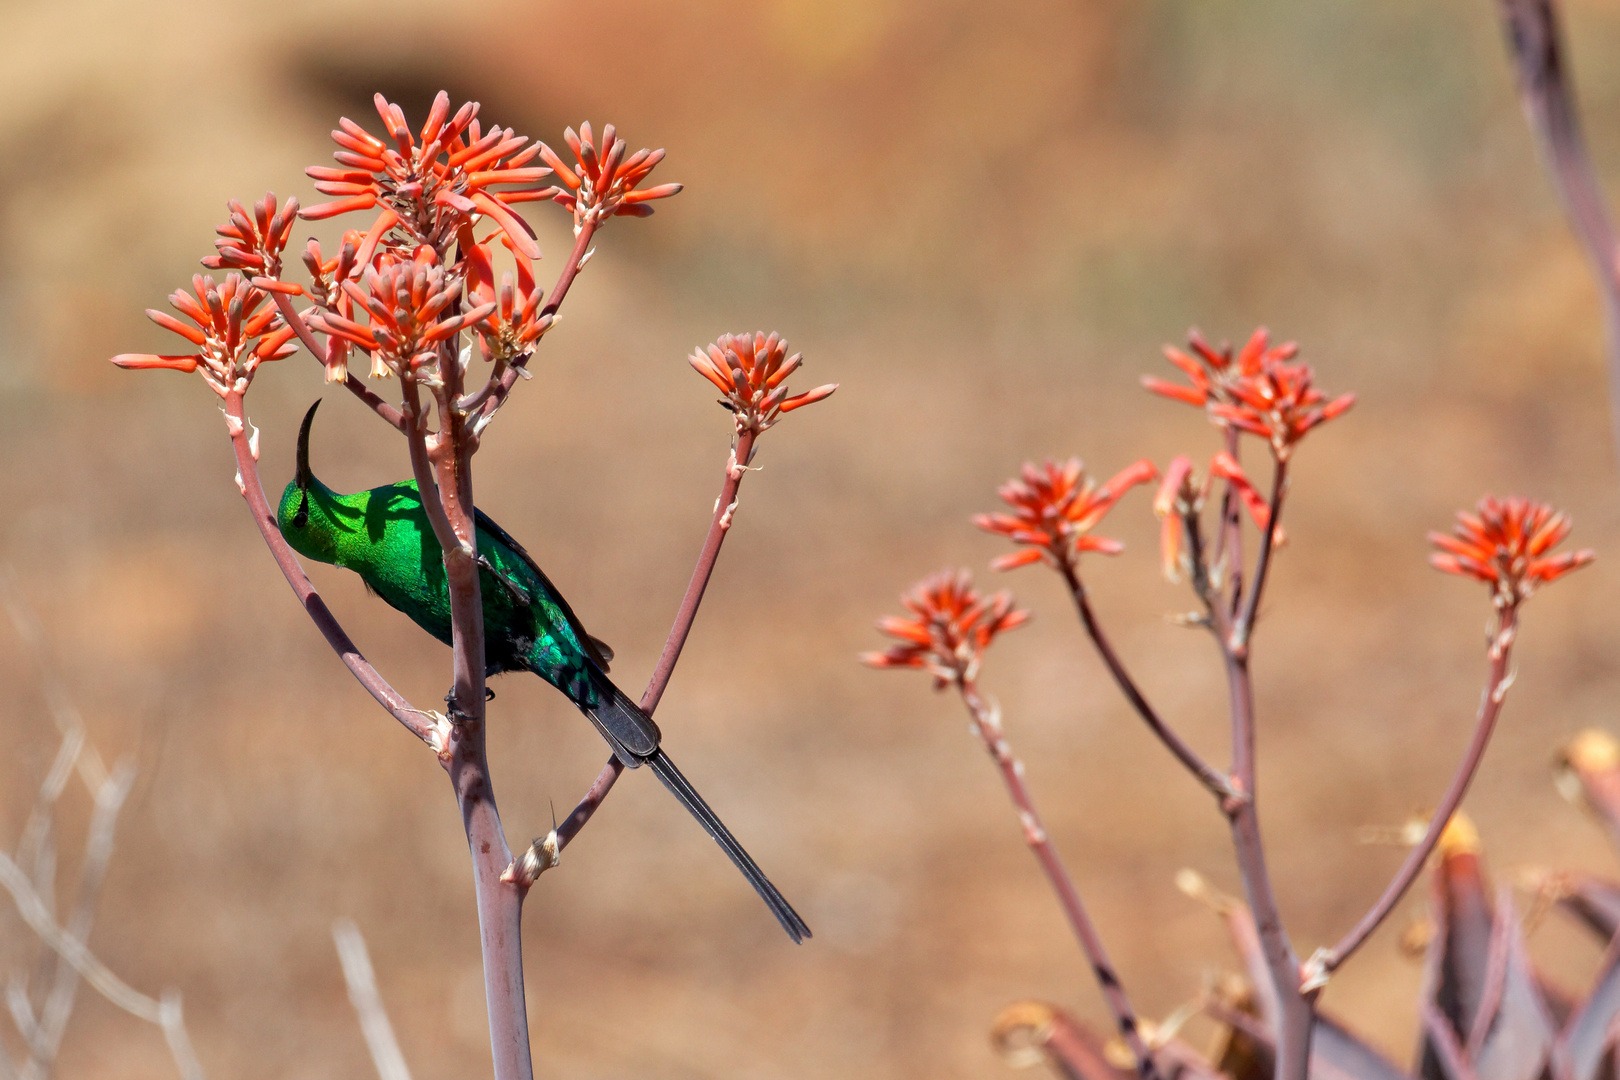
[{"x": 383, "y": 535}]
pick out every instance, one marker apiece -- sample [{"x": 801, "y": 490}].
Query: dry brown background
[{"x": 982, "y": 220}]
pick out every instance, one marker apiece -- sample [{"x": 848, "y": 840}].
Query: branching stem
[
  {"x": 318, "y": 351},
  {"x": 1490, "y": 707},
  {"x": 1207, "y": 775},
  {"x": 1230, "y": 616},
  {"x": 489, "y": 400},
  {"x": 724, "y": 511},
  {"x": 253, "y": 491},
  {"x": 448, "y": 496},
  {"x": 1268, "y": 543}
]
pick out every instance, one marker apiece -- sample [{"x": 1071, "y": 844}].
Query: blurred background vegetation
[{"x": 982, "y": 220}]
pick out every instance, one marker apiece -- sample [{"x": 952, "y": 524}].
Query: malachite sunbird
[{"x": 384, "y": 536}]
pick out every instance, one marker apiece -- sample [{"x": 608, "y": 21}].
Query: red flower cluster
[
  {"x": 432, "y": 187},
  {"x": 603, "y": 185},
  {"x": 950, "y": 627},
  {"x": 255, "y": 243},
  {"x": 517, "y": 322},
  {"x": 404, "y": 300},
  {"x": 234, "y": 333},
  {"x": 751, "y": 371},
  {"x": 1258, "y": 390},
  {"x": 1055, "y": 508},
  {"x": 1506, "y": 544}
]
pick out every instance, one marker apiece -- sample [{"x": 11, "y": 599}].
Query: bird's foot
[{"x": 457, "y": 717}]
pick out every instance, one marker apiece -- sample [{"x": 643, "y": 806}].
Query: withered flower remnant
[
  {"x": 950, "y": 627},
  {"x": 235, "y": 332},
  {"x": 751, "y": 370},
  {"x": 1507, "y": 544},
  {"x": 603, "y": 185},
  {"x": 1258, "y": 391},
  {"x": 1055, "y": 507}
]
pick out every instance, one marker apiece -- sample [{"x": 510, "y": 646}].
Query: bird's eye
[{"x": 301, "y": 518}]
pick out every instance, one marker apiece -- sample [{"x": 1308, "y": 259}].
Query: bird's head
[{"x": 312, "y": 516}]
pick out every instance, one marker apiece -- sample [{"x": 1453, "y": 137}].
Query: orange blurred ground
[{"x": 982, "y": 220}]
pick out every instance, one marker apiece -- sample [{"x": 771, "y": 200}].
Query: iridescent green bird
[{"x": 384, "y": 536}]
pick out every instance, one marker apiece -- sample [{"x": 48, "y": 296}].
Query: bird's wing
[{"x": 595, "y": 649}]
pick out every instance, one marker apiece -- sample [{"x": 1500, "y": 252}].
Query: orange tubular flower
[
  {"x": 1506, "y": 543},
  {"x": 517, "y": 323},
  {"x": 1257, "y": 391},
  {"x": 1179, "y": 494},
  {"x": 1226, "y": 467},
  {"x": 428, "y": 189},
  {"x": 255, "y": 243},
  {"x": 751, "y": 370},
  {"x": 404, "y": 299},
  {"x": 950, "y": 627},
  {"x": 324, "y": 288},
  {"x": 1055, "y": 508},
  {"x": 235, "y": 332},
  {"x": 603, "y": 185}
]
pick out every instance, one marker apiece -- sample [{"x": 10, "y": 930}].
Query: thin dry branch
[
  {"x": 94, "y": 972},
  {"x": 368, "y": 1006},
  {"x": 53, "y": 1017},
  {"x": 64, "y": 714}
]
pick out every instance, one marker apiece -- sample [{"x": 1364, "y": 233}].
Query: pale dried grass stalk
[{"x": 368, "y": 1006}]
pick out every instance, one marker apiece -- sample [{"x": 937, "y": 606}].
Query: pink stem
[
  {"x": 446, "y": 493},
  {"x": 352, "y": 384},
  {"x": 1245, "y": 623},
  {"x": 988, "y": 727},
  {"x": 1490, "y": 707},
  {"x": 1297, "y": 1009},
  {"x": 253, "y": 491},
  {"x": 492, "y": 397},
  {"x": 1209, "y": 776},
  {"x": 1535, "y": 40},
  {"x": 724, "y": 508},
  {"x": 1293, "y": 1011}
]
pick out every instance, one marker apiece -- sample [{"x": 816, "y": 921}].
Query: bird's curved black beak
[{"x": 302, "y": 476}]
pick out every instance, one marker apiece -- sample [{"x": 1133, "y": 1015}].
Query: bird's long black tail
[{"x": 679, "y": 787}]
